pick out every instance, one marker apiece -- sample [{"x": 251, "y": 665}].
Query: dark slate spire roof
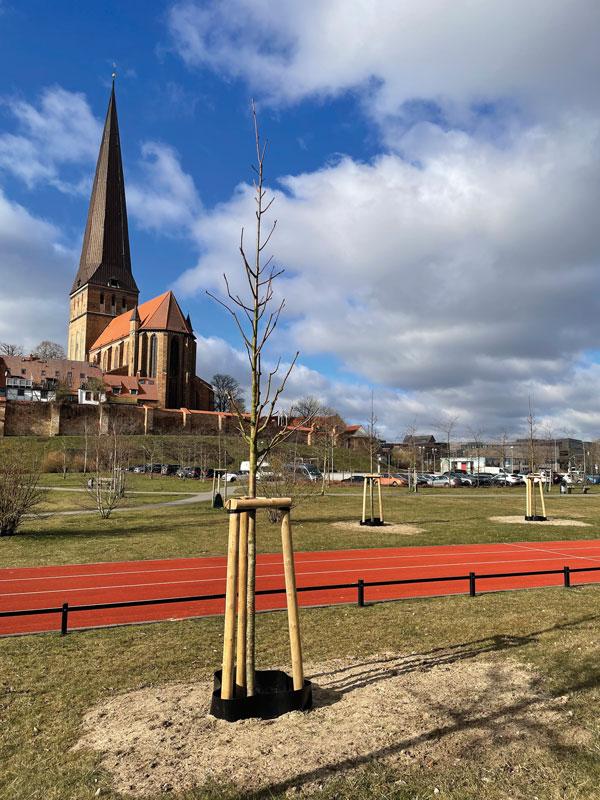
[{"x": 105, "y": 252}]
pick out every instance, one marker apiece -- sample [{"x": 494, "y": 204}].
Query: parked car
[
  {"x": 446, "y": 480},
  {"x": 392, "y": 480},
  {"x": 479, "y": 479},
  {"x": 306, "y": 472},
  {"x": 169, "y": 469},
  {"x": 139, "y": 468},
  {"x": 230, "y": 477},
  {"x": 353, "y": 479},
  {"x": 189, "y": 472}
]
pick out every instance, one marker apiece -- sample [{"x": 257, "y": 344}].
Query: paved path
[
  {"x": 199, "y": 497},
  {"x": 82, "y": 584}
]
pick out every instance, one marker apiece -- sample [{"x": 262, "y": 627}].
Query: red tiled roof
[
  {"x": 63, "y": 366},
  {"x": 146, "y": 387},
  {"x": 162, "y": 313}
]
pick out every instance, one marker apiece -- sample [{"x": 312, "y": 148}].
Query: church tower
[{"x": 104, "y": 286}]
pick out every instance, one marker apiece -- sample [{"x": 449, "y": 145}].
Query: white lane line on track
[
  {"x": 270, "y": 575},
  {"x": 261, "y": 563},
  {"x": 529, "y": 549}
]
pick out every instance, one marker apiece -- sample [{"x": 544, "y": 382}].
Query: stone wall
[{"x": 23, "y": 418}]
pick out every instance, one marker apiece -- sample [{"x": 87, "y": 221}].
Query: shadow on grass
[{"x": 474, "y": 717}]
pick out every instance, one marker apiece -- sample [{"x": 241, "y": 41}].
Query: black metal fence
[{"x": 360, "y": 585}]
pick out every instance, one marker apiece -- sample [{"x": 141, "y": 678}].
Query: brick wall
[{"x": 21, "y": 418}]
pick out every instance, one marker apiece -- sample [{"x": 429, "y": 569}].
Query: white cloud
[
  {"x": 60, "y": 132},
  {"x": 162, "y": 197},
  {"x": 465, "y": 278},
  {"x": 35, "y": 271},
  {"x": 541, "y": 53}
]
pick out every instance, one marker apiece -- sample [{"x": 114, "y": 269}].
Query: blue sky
[{"x": 436, "y": 172}]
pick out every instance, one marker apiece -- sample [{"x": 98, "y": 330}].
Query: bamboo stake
[
  {"x": 371, "y": 495},
  {"x": 240, "y": 658},
  {"x": 542, "y": 499},
  {"x": 248, "y": 503},
  {"x": 250, "y": 604},
  {"x": 292, "y": 600},
  {"x": 364, "y": 514},
  {"x": 380, "y": 503},
  {"x": 230, "y": 591}
]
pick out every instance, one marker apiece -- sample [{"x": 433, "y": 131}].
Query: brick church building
[{"x": 147, "y": 349}]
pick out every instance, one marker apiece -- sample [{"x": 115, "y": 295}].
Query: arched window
[{"x": 153, "y": 358}]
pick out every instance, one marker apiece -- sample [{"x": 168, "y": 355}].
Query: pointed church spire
[{"x": 105, "y": 258}]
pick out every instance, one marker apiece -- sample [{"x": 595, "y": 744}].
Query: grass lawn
[
  {"x": 446, "y": 517},
  {"x": 47, "y": 683}
]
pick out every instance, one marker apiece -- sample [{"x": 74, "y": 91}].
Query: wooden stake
[
  {"x": 542, "y": 499},
  {"x": 240, "y": 658},
  {"x": 250, "y": 604},
  {"x": 230, "y": 592},
  {"x": 364, "y": 514},
  {"x": 380, "y": 503},
  {"x": 292, "y": 600}
]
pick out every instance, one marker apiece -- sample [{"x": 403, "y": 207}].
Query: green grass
[
  {"x": 48, "y": 682},
  {"x": 447, "y": 517}
]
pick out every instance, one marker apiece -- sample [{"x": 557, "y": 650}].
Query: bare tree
[
  {"x": 107, "y": 485},
  {"x": 19, "y": 492},
  {"x": 256, "y": 319},
  {"x": 447, "y": 424},
  {"x": 228, "y": 393},
  {"x": 531, "y": 430},
  {"x": 47, "y": 349},
  {"x": 309, "y": 407},
  {"x": 477, "y": 439},
  {"x": 285, "y": 479},
  {"x": 8, "y": 349}
]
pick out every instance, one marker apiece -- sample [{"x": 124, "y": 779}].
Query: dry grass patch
[
  {"x": 408, "y": 711},
  {"x": 403, "y": 529},
  {"x": 555, "y": 521}
]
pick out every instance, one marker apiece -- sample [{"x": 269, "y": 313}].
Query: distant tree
[
  {"x": 8, "y": 349},
  {"x": 310, "y": 407},
  {"x": 47, "y": 349},
  {"x": 228, "y": 393},
  {"x": 447, "y": 424}
]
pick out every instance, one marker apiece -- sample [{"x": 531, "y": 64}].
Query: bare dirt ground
[
  {"x": 414, "y": 711},
  {"x": 518, "y": 519},
  {"x": 387, "y": 527}
]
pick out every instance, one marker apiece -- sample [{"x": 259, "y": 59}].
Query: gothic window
[
  {"x": 153, "y": 356},
  {"x": 113, "y": 303},
  {"x": 174, "y": 357},
  {"x": 101, "y": 298}
]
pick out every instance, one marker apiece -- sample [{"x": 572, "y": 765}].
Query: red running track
[{"x": 78, "y": 584}]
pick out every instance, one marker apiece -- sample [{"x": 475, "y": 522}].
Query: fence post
[
  {"x": 361, "y": 592},
  {"x": 64, "y": 619},
  {"x": 567, "y": 577},
  {"x": 471, "y": 584}
]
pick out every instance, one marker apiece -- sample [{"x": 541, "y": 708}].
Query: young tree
[
  {"x": 107, "y": 484},
  {"x": 256, "y": 318},
  {"x": 447, "y": 424},
  {"x": 19, "y": 493},
  {"x": 47, "y": 349},
  {"x": 228, "y": 393}
]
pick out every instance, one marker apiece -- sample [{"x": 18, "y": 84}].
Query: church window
[
  {"x": 124, "y": 303},
  {"x": 101, "y": 298},
  {"x": 113, "y": 302},
  {"x": 153, "y": 355}
]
